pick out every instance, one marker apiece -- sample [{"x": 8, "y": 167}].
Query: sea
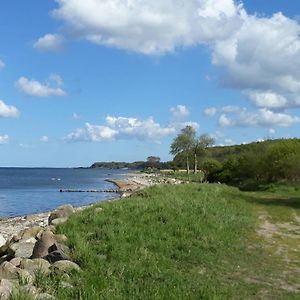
[{"x": 25, "y": 191}]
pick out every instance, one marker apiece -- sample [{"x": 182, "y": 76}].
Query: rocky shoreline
[
  {"x": 29, "y": 243},
  {"x": 35, "y": 249}
]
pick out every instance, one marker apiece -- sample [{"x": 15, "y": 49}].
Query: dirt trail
[{"x": 282, "y": 241}]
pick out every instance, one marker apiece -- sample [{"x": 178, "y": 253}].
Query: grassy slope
[{"x": 174, "y": 242}]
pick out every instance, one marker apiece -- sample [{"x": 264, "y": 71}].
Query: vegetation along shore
[
  {"x": 168, "y": 238},
  {"x": 171, "y": 234}
]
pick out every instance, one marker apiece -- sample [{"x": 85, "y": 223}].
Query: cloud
[
  {"x": 267, "y": 99},
  {"x": 4, "y": 139},
  {"x": 50, "y": 42},
  {"x": 35, "y": 88},
  {"x": 210, "y": 111},
  {"x": 262, "y": 59},
  {"x": 8, "y": 111},
  {"x": 231, "y": 108},
  {"x": 272, "y": 131},
  {"x": 261, "y": 118},
  {"x": 56, "y": 79},
  {"x": 75, "y": 116},
  {"x": 44, "y": 139},
  {"x": 259, "y": 56},
  {"x": 2, "y": 64},
  {"x": 149, "y": 27},
  {"x": 180, "y": 111},
  {"x": 116, "y": 128}
]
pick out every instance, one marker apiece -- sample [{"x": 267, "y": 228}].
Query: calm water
[{"x": 25, "y": 191}]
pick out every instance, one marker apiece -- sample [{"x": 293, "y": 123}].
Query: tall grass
[{"x": 170, "y": 242}]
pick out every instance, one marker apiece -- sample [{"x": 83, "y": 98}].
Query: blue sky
[{"x": 95, "y": 80}]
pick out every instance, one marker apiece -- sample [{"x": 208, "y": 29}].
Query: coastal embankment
[
  {"x": 131, "y": 183},
  {"x": 30, "y": 244}
]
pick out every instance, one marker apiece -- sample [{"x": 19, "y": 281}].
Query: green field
[{"x": 193, "y": 241}]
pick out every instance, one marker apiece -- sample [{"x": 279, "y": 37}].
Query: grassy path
[
  {"x": 279, "y": 227},
  {"x": 187, "y": 242}
]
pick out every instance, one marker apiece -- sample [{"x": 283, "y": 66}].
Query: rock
[
  {"x": 64, "y": 211},
  {"x": 65, "y": 266},
  {"x": 28, "y": 289},
  {"x": 43, "y": 244},
  {"x": 30, "y": 232},
  {"x": 2, "y": 240},
  {"x": 6, "y": 288},
  {"x": 14, "y": 239},
  {"x": 59, "y": 221},
  {"x": 24, "y": 276},
  {"x": 44, "y": 296},
  {"x": 58, "y": 252},
  {"x": 35, "y": 265},
  {"x": 16, "y": 261},
  {"x": 60, "y": 247},
  {"x": 22, "y": 249},
  {"x": 3, "y": 249},
  {"x": 8, "y": 271},
  {"x": 56, "y": 255},
  {"x": 60, "y": 238},
  {"x": 6, "y": 257},
  {"x": 66, "y": 285}
]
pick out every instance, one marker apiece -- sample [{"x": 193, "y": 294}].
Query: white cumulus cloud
[
  {"x": 116, "y": 128},
  {"x": 4, "y": 139},
  {"x": 210, "y": 111},
  {"x": 149, "y": 27},
  {"x": 35, "y": 88},
  {"x": 267, "y": 99},
  {"x": 180, "y": 111},
  {"x": 261, "y": 118},
  {"x": 260, "y": 55},
  {"x": 44, "y": 139},
  {"x": 8, "y": 111},
  {"x": 50, "y": 42}
]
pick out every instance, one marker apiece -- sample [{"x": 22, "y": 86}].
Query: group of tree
[
  {"x": 187, "y": 142},
  {"x": 242, "y": 165}
]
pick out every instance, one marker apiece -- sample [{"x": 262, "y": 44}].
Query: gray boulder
[
  {"x": 16, "y": 261},
  {"x": 24, "y": 248},
  {"x": 58, "y": 252},
  {"x": 59, "y": 221},
  {"x": 6, "y": 288},
  {"x": 44, "y": 296},
  {"x": 60, "y": 238},
  {"x": 2, "y": 240},
  {"x": 43, "y": 244},
  {"x": 31, "y": 232},
  {"x": 34, "y": 265},
  {"x": 64, "y": 211},
  {"x": 10, "y": 272},
  {"x": 65, "y": 266}
]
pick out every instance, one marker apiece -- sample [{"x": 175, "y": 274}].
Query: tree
[
  {"x": 153, "y": 161},
  {"x": 199, "y": 145},
  {"x": 184, "y": 142}
]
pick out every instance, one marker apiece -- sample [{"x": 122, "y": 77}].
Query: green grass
[
  {"x": 192, "y": 177},
  {"x": 172, "y": 242},
  {"x": 193, "y": 241}
]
